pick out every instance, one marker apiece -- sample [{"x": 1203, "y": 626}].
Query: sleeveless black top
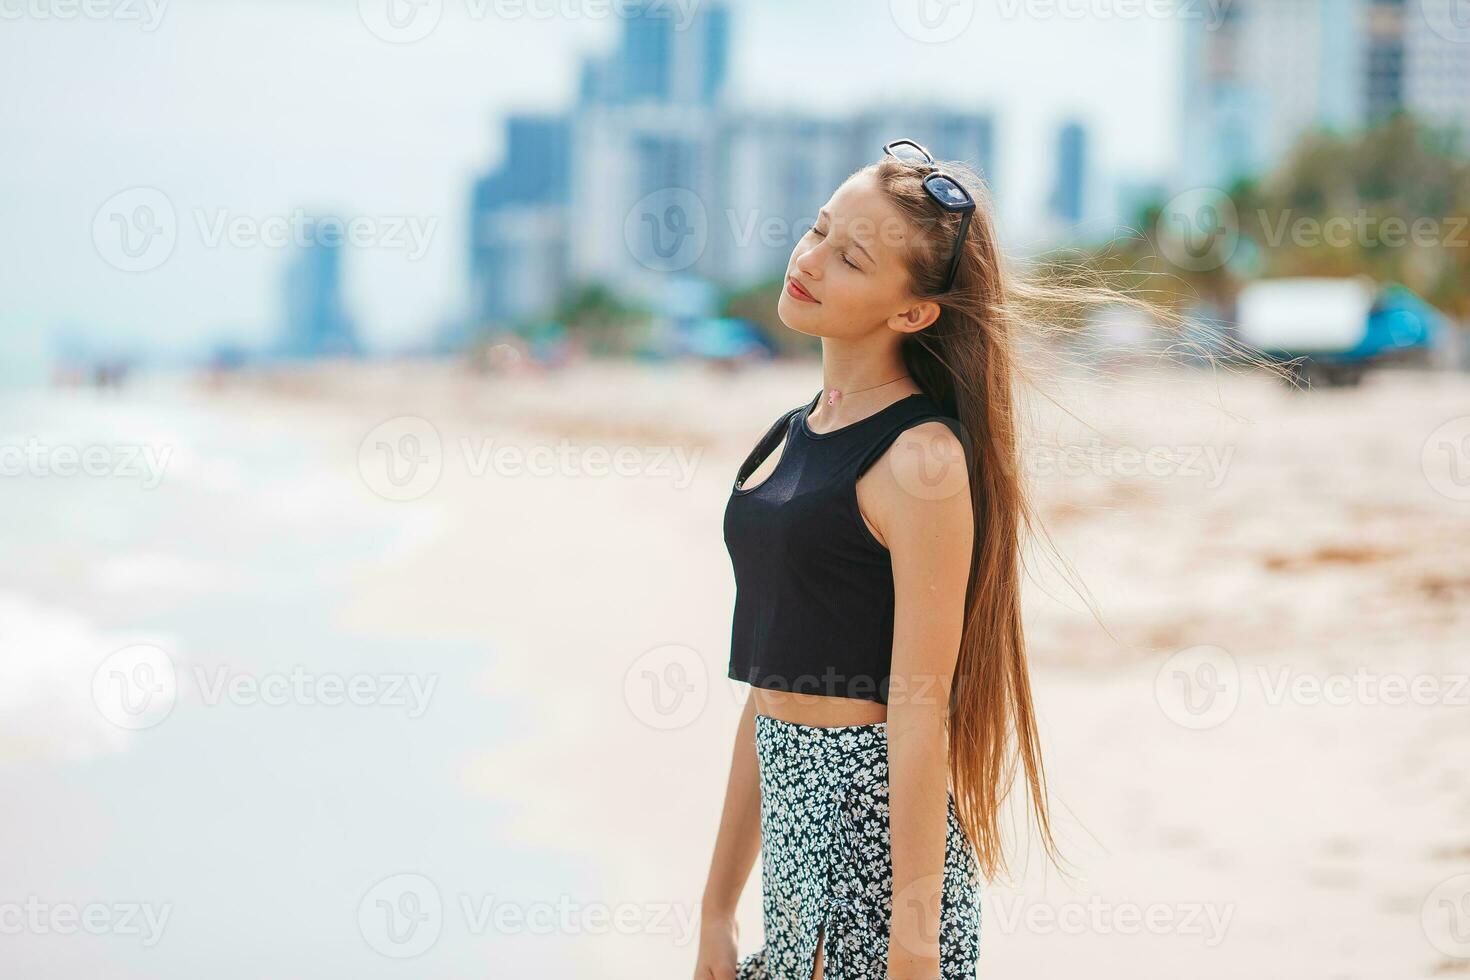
[{"x": 813, "y": 586}]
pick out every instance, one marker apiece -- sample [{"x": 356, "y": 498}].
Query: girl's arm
[
  {"x": 920, "y": 504},
  {"x": 736, "y": 848}
]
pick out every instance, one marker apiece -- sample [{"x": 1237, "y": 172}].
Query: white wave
[{"x": 48, "y": 656}]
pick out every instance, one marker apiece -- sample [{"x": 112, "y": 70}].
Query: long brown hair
[{"x": 969, "y": 360}]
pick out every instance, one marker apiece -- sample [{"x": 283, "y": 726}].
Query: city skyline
[
  {"x": 1274, "y": 68},
  {"x": 659, "y": 188},
  {"x": 325, "y": 116}
]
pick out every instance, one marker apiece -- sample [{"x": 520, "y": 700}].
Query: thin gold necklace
[{"x": 834, "y": 393}]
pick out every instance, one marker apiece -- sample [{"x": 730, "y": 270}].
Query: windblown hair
[{"x": 969, "y": 360}]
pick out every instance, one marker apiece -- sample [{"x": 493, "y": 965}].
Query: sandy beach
[{"x": 1257, "y": 748}]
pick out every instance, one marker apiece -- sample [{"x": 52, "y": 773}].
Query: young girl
[{"x": 877, "y": 615}]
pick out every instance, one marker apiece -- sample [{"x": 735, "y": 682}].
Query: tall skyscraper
[
  {"x": 1384, "y": 77},
  {"x": 1068, "y": 190},
  {"x": 653, "y": 186},
  {"x": 518, "y": 222},
  {"x": 665, "y": 56},
  {"x": 643, "y": 144},
  {"x": 1436, "y": 58},
  {"x": 316, "y": 322},
  {"x": 1270, "y": 70},
  {"x": 775, "y": 171},
  {"x": 1267, "y": 71}
]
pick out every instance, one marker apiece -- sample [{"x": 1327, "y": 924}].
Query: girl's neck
[{"x": 862, "y": 383}]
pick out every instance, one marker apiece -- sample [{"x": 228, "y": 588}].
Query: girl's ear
[{"x": 916, "y": 317}]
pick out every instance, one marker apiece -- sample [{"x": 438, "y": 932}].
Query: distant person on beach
[{"x": 877, "y": 560}]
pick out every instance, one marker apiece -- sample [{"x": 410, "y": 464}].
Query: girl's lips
[{"x": 793, "y": 288}]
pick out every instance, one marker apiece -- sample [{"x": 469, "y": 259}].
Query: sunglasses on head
[{"x": 946, "y": 191}]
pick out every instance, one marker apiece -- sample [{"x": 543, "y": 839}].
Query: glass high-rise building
[
  {"x": 316, "y": 321},
  {"x": 517, "y": 244},
  {"x": 1271, "y": 69},
  {"x": 1069, "y": 188},
  {"x": 654, "y": 186}
]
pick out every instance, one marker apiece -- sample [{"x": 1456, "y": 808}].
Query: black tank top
[{"x": 813, "y": 586}]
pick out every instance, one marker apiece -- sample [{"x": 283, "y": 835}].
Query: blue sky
[{"x": 235, "y": 108}]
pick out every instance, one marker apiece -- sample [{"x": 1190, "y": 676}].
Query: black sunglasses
[{"x": 946, "y": 191}]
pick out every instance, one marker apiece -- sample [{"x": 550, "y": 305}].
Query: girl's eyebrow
[{"x": 822, "y": 213}]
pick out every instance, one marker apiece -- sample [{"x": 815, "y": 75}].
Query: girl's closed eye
[{"x": 814, "y": 230}]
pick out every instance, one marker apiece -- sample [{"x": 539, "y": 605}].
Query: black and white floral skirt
[{"x": 826, "y": 859}]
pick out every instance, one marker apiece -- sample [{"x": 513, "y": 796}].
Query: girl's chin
[{"x": 790, "y": 313}]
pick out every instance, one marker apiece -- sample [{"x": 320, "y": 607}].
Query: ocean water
[{"x": 206, "y": 774}]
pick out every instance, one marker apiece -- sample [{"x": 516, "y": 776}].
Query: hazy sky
[{"x": 240, "y": 109}]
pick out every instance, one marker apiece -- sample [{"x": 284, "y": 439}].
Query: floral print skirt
[{"x": 826, "y": 859}]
